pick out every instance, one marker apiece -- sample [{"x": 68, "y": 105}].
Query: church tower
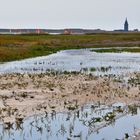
[{"x": 126, "y": 26}]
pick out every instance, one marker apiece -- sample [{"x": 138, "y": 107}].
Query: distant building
[
  {"x": 136, "y": 30},
  {"x": 67, "y": 31},
  {"x": 119, "y": 30},
  {"x": 126, "y": 26}
]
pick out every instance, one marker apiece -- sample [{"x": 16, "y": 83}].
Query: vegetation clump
[
  {"x": 133, "y": 109},
  {"x": 109, "y": 116}
]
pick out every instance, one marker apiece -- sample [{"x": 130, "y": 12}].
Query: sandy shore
[{"x": 22, "y": 95}]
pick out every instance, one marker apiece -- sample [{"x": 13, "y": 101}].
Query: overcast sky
[{"x": 104, "y": 14}]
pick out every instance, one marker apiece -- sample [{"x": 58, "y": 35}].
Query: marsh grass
[{"x": 16, "y": 47}]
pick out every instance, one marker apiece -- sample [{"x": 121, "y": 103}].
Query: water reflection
[{"x": 89, "y": 122}]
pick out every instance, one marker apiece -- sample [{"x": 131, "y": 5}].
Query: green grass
[
  {"x": 117, "y": 50},
  {"x": 16, "y": 47}
]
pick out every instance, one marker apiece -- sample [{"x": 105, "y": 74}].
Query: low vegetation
[{"x": 15, "y": 47}]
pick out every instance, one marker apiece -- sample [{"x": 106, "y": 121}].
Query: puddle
[
  {"x": 82, "y": 60},
  {"x": 90, "y": 122}
]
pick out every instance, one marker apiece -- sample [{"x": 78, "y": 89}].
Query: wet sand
[{"x": 23, "y": 95}]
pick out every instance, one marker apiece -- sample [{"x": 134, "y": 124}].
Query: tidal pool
[
  {"x": 82, "y": 60},
  {"x": 90, "y": 122}
]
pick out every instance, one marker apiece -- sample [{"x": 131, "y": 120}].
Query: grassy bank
[
  {"x": 15, "y": 47},
  {"x": 118, "y": 50}
]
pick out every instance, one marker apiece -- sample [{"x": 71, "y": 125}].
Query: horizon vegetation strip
[{"x": 16, "y": 47}]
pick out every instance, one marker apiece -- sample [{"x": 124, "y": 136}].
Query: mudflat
[{"x": 23, "y": 95}]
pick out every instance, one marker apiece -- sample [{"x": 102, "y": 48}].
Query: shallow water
[
  {"x": 83, "y": 60},
  {"x": 76, "y": 125}
]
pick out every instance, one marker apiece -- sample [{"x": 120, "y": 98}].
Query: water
[
  {"x": 76, "y": 125},
  {"x": 82, "y": 124},
  {"x": 83, "y": 60}
]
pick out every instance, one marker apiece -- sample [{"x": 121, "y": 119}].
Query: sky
[{"x": 56, "y": 14}]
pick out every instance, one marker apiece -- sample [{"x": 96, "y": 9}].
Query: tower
[{"x": 126, "y": 26}]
